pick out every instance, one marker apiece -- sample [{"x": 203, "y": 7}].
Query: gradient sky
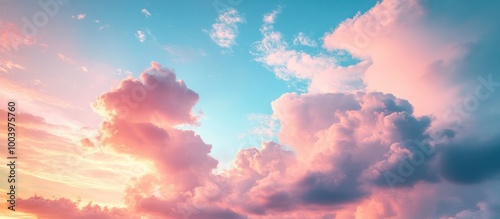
[{"x": 253, "y": 109}]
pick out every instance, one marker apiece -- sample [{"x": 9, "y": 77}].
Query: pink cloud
[
  {"x": 11, "y": 38},
  {"x": 341, "y": 145},
  {"x": 409, "y": 56},
  {"x": 64, "y": 208},
  {"x": 11, "y": 41},
  {"x": 157, "y": 97},
  {"x": 79, "y": 16}
]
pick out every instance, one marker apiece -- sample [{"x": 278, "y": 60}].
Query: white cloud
[
  {"x": 225, "y": 29},
  {"x": 303, "y": 40},
  {"x": 79, "y": 17},
  {"x": 141, "y": 36},
  {"x": 103, "y": 26},
  {"x": 146, "y": 12},
  {"x": 321, "y": 70}
]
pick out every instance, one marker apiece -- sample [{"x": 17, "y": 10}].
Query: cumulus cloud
[
  {"x": 434, "y": 55},
  {"x": 344, "y": 150},
  {"x": 341, "y": 145},
  {"x": 156, "y": 97},
  {"x": 225, "y": 29},
  {"x": 143, "y": 127}
]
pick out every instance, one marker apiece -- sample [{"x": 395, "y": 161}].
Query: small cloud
[
  {"x": 7, "y": 65},
  {"x": 64, "y": 58},
  {"x": 123, "y": 72},
  {"x": 84, "y": 69},
  {"x": 225, "y": 29},
  {"x": 146, "y": 12},
  {"x": 141, "y": 36},
  {"x": 269, "y": 18},
  {"x": 79, "y": 17},
  {"x": 37, "y": 82},
  {"x": 97, "y": 21},
  {"x": 103, "y": 26},
  {"x": 303, "y": 40}
]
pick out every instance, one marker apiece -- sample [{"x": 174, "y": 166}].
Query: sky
[{"x": 252, "y": 109}]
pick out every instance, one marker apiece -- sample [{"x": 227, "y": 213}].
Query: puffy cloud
[
  {"x": 182, "y": 155},
  {"x": 145, "y": 130},
  {"x": 338, "y": 141},
  {"x": 225, "y": 29},
  {"x": 140, "y": 119},
  {"x": 340, "y": 155},
  {"x": 350, "y": 133},
  {"x": 65, "y": 208},
  {"x": 156, "y": 97},
  {"x": 417, "y": 50}
]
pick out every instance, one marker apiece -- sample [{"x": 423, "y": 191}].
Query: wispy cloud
[
  {"x": 65, "y": 58},
  {"x": 146, "y": 12},
  {"x": 183, "y": 54},
  {"x": 7, "y": 65},
  {"x": 11, "y": 41},
  {"x": 302, "y": 39},
  {"x": 321, "y": 70},
  {"x": 225, "y": 29}
]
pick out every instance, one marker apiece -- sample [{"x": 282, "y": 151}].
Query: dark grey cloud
[{"x": 471, "y": 161}]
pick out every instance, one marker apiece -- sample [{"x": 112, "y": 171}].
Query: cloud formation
[
  {"x": 322, "y": 70},
  {"x": 64, "y": 208},
  {"x": 302, "y": 39},
  {"x": 225, "y": 29},
  {"x": 362, "y": 142},
  {"x": 145, "y": 12},
  {"x": 79, "y": 16}
]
